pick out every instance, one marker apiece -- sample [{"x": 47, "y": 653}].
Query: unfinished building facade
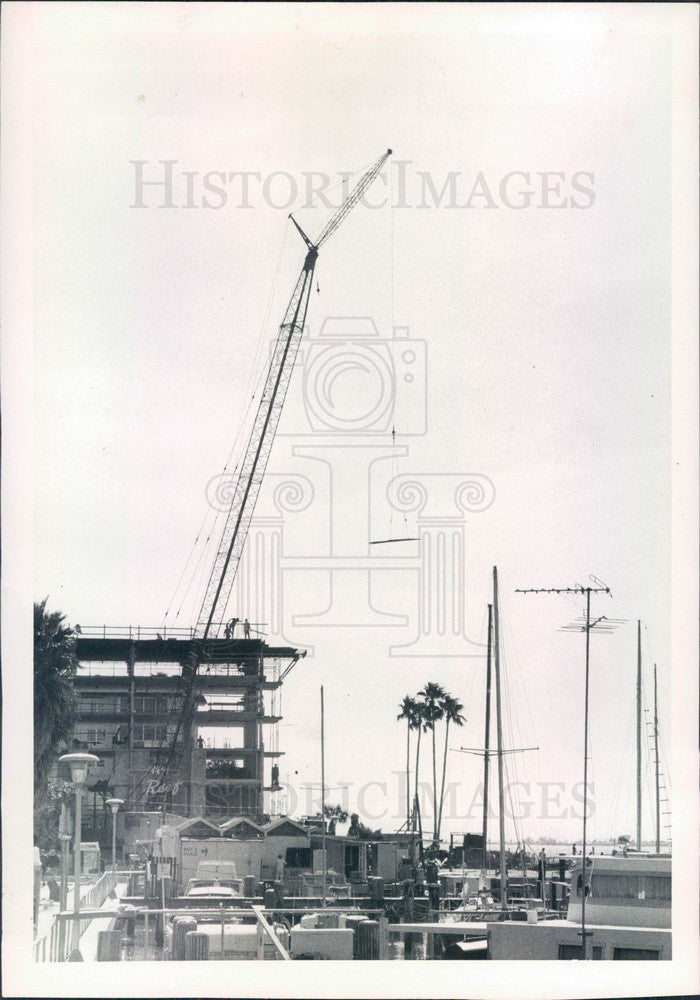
[{"x": 167, "y": 742}]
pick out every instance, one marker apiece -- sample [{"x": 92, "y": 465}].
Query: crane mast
[
  {"x": 252, "y": 468},
  {"x": 257, "y": 453}
]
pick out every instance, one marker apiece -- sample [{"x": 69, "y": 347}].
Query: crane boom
[
  {"x": 252, "y": 468},
  {"x": 248, "y": 483}
]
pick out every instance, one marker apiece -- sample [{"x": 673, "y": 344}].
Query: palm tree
[
  {"x": 335, "y": 814},
  {"x": 55, "y": 664},
  {"x": 433, "y": 695},
  {"x": 419, "y": 725},
  {"x": 452, "y": 711},
  {"x": 409, "y": 712}
]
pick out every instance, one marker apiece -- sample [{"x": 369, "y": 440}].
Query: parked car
[{"x": 220, "y": 889}]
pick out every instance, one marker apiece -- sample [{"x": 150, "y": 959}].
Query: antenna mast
[
  {"x": 599, "y": 589},
  {"x": 639, "y": 735},
  {"x": 656, "y": 767},
  {"x": 499, "y": 742}
]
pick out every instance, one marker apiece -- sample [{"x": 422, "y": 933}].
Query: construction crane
[
  {"x": 254, "y": 462},
  {"x": 252, "y": 469}
]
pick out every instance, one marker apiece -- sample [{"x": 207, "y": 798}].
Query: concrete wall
[
  {"x": 516, "y": 941},
  {"x": 635, "y": 913},
  {"x": 322, "y": 943}
]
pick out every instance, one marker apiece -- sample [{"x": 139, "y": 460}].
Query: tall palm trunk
[
  {"x": 444, "y": 771},
  {"x": 415, "y": 794},
  {"x": 408, "y": 775},
  {"x": 435, "y": 816}
]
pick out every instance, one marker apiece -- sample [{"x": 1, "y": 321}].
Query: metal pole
[
  {"x": 639, "y": 735},
  {"x": 656, "y": 763},
  {"x": 64, "y": 838},
  {"x": 64, "y": 872},
  {"x": 499, "y": 734},
  {"x": 114, "y": 845},
  {"x": 221, "y": 907},
  {"x": 487, "y": 737},
  {"x": 601, "y": 589},
  {"x": 323, "y": 801},
  {"x": 75, "y": 955},
  {"x": 584, "y": 950}
]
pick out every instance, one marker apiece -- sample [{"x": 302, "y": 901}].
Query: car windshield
[{"x": 210, "y": 890}]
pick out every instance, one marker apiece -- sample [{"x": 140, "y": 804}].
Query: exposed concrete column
[{"x": 130, "y": 662}]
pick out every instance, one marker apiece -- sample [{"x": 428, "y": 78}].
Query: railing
[
  {"x": 107, "y": 668},
  {"x": 164, "y": 668},
  {"x": 100, "y": 891},
  {"x": 54, "y": 945},
  {"x": 132, "y": 632},
  {"x": 154, "y": 632},
  {"x": 265, "y": 930}
]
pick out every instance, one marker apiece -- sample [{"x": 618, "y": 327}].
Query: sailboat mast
[
  {"x": 499, "y": 738},
  {"x": 487, "y": 737},
  {"x": 639, "y": 735},
  {"x": 656, "y": 766},
  {"x": 323, "y": 800}
]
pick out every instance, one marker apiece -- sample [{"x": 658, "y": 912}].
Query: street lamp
[
  {"x": 114, "y": 806},
  {"x": 64, "y": 835},
  {"x": 79, "y": 764}
]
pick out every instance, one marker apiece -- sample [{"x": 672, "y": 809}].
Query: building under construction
[{"x": 217, "y": 758}]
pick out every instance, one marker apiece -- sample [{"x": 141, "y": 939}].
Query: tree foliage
[
  {"x": 422, "y": 713},
  {"x": 54, "y": 696}
]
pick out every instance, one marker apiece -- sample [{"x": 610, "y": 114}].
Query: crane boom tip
[{"x": 389, "y": 152}]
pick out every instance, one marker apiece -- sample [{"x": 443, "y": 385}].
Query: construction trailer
[{"x": 253, "y": 849}]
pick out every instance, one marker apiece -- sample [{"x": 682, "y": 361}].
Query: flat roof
[
  {"x": 576, "y": 925},
  {"x": 640, "y": 864},
  {"x": 109, "y": 648}
]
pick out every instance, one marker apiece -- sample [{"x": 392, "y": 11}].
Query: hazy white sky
[{"x": 547, "y": 335}]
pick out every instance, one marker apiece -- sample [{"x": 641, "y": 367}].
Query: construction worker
[{"x": 246, "y": 629}]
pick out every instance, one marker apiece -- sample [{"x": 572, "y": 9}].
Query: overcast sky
[{"x": 546, "y": 333}]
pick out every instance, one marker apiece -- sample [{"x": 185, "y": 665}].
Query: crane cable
[
  {"x": 255, "y": 379},
  {"x": 255, "y": 383}
]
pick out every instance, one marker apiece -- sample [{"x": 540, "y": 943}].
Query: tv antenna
[{"x": 600, "y": 624}]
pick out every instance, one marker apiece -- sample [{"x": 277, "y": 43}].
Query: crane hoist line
[{"x": 257, "y": 452}]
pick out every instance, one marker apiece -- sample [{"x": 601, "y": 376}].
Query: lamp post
[
  {"x": 114, "y": 806},
  {"x": 79, "y": 764},
  {"x": 64, "y": 837}
]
